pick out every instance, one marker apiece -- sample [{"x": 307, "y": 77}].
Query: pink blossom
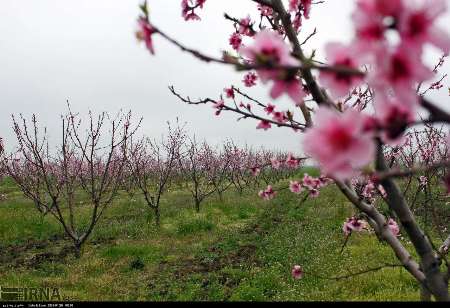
[
  {"x": 293, "y": 5},
  {"x": 270, "y": 108},
  {"x": 400, "y": 69},
  {"x": 389, "y": 7},
  {"x": 393, "y": 117},
  {"x": 250, "y": 79},
  {"x": 295, "y": 187},
  {"x": 269, "y": 49},
  {"x": 297, "y": 22},
  {"x": 276, "y": 164},
  {"x": 188, "y": 9},
  {"x": 229, "y": 92},
  {"x": 369, "y": 26},
  {"x": 255, "y": 171},
  {"x": 245, "y": 26},
  {"x": 219, "y": 106},
  {"x": 144, "y": 33},
  {"x": 268, "y": 193},
  {"x": 393, "y": 227},
  {"x": 324, "y": 181},
  {"x": 191, "y": 16},
  {"x": 297, "y": 272},
  {"x": 200, "y": 3},
  {"x": 292, "y": 87},
  {"x": 235, "y": 41},
  {"x": 369, "y": 191},
  {"x": 339, "y": 142},
  {"x": 279, "y": 116},
  {"x": 308, "y": 181},
  {"x": 314, "y": 193},
  {"x": 264, "y": 124},
  {"x": 306, "y": 7},
  {"x": 352, "y": 224},
  {"x": 340, "y": 84},
  {"x": 265, "y": 10},
  {"x": 416, "y": 24},
  {"x": 291, "y": 161}
]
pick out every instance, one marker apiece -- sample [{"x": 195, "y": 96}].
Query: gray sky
[{"x": 85, "y": 51}]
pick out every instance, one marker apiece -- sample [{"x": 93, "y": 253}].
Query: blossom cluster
[
  {"x": 353, "y": 224},
  {"x": 396, "y": 68}
]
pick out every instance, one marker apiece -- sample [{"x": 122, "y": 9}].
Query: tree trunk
[
  {"x": 157, "y": 216},
  {"x": 425, "y": 295},
  {"x": 197, "y": 205},
  {"x": 77, "y": 249}
]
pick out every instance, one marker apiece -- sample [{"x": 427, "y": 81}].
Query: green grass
[{"x": 240, "y": 249}]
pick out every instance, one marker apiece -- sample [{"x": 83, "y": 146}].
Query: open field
[{"x": 242, "y": 248}]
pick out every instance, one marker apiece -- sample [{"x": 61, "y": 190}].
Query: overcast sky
[{"x": 85, "y": 51}]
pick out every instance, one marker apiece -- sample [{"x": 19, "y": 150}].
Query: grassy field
[{"x": 239, "y": 249}]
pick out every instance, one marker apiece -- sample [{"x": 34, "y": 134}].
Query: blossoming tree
[
  {"x": 82, "y": 174},
  {"x": 349, "y": 109}
]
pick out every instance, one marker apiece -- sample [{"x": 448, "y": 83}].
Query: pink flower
[
  {"x": 200, "y": 3},
  {"x": 291, "y": 161},
  {"x": 370, "y": 27},
  {"x": 144, "y": 33},
  {"x": 400, "y": 69},
  {"x": 250, "y": 79},
  {"x": 264, "y": 124},
  {"x": 276, "y": 164},
  {"x": 245, "y": 26},
  {"x": 314, "y": 193},
  {"x": 306, "y": 7},
  {"x": 265, "y": 10},
  {"x": 389, "y": 7},
  {"x": 324, "y": 181},
  {"x": 393, "y": 226},
  {"x": 393, "y": 117},
  {"x": 297, "y": 22},
  {"x": 352, "y": 224},
  {"x": 340, "y": 84},
  {"x": 297, "y": 272},
  {"x": 269, "y": 49},
  {"x": 270, "y": 108},
  {"x": 295, "y": 187},
  {"x": 293, "y": 5},
  {"x": 308, "y": 181},
  {"x": 235, "y": 41},
  {"x": 292, "y": 87},
  {"x": 339, "y": 142},
  {"x": 188, "y": 9},
  {"x": 255, "y": 171},
  {"x": 219, "y": 106},
  {"x": 369, "y": 190},
  {"x": 416, "y": 24},
  {"x": 279, "y": 116},
  {"x": 268, "y": 193},
  {"x": 368, "y": 21},
  {"x": 229, "y": 92}
]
